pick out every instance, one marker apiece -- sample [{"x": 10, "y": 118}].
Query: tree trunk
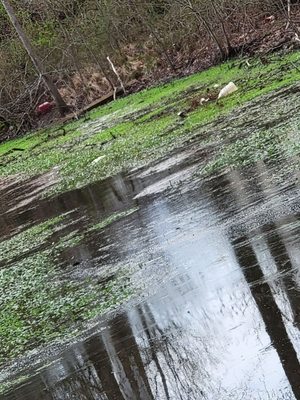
[{"x": 62, "y": 106}]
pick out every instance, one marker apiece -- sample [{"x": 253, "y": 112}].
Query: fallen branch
[{"x": 117, "y": 74}]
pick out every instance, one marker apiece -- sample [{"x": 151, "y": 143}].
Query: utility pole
[{"x": 62, "y": 106}]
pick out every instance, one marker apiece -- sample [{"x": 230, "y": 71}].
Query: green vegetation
[
  {"x": 37, "y": 304},
  {"x": 274, "y": 139},
  {"x": 27, "y": 241},
  {"x": 144, "y": 40},
  {"x": 70, "y": 240},
  {"x": 243, "y": 152},
  {"x": 136, "y": 129},
  {"x": 6, "y": 386},
  {"x": 47, "y": 294}
]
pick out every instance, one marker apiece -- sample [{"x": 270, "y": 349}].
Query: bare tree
[
  {"x": 62, "y": 106},
  {"x": 205, "y": 23},
  {"x": 147, "y": 40}
]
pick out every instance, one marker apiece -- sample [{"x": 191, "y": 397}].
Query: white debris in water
[{"x": 228, "y": 89}]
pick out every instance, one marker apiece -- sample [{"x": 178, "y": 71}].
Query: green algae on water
[
  {"x": 27, "y": 241},
  {"x": 38, "y": 305}
]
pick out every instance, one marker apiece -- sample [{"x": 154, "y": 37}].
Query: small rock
[{"x": 228, "y": 89}]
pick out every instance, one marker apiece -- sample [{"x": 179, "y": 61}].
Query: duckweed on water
[
  {"x": 37, "y": 305},
  {"x": 27, "y": 241},
  {"x": 142, "y": 127},
  {"x": 6, "y": 386},
  {"x": 70, "y": 240},
  {"x": 243, "y": 152},
  {"x": 263, "y": 145}
]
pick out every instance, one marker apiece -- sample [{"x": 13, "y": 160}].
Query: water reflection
[
  {"x": 269, "y": 311},
  {"x": 223, "y": 321},
  {"x": 284, "y": 264}
]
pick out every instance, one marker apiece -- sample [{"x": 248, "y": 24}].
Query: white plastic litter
[
  {"x": 228, "y": 89},
  {"x": 203, "y": 100}
]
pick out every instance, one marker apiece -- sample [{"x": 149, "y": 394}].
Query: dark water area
[{"x": 219, "y": 316}]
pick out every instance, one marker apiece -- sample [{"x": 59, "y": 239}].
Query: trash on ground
[{"x": 228, "y": 89}]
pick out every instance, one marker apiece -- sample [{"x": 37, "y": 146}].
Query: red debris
[{"x": 44, "y": 108}]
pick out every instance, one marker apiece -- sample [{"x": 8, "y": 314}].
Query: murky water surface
[{"x": 219, "y": 314}]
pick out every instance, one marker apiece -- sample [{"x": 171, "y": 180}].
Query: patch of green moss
[{"x": 17, "y": 145}]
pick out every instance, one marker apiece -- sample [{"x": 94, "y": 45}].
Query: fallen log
[{"x": 97, "y": 103}]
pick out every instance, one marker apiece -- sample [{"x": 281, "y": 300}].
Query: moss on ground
[{"x": 144, "y": 126}]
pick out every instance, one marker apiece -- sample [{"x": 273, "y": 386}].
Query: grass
[{"x": 141, "y": 127}]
